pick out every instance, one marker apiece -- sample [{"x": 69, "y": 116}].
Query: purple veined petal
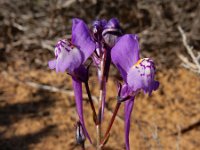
[
  {"x": 125, "y": 53},
  {"x": 141, "y": 76},
  {"x": 81, "y": 37},
  {"x": 127, "y": 114},
  {"x": 77, "y": 85},
  {"x": 69, "y": 60},
  {"x": 68, "y": 57}
]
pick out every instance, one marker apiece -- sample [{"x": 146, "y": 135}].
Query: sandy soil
[{"x": 34, "y": 118}]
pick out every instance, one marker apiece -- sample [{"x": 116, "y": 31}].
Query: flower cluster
[{"x": 105, "y": 43}]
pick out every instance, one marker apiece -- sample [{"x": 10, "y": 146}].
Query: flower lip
[
  {"x": 145, "y": 63},
  {"x": 68, "y": 57},
  {"x": 125, "y": 53},
  {"x": 141, "y": 76},
  {"x": 63, "y": 45}
]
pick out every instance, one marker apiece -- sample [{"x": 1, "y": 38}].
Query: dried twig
[
  {"x": 178, "y": 138},
  {"x": 58, "y": 90},
  {"x": 156, "y": 137},
  {"x": 187, "y": 64},
  {"x": 189, "y": 49},
  {"x": 54, "y": 89},
  {"x": 190, "y": 127}
]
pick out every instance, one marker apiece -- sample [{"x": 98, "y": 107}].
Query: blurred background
[{"x": 37, "y": 108}]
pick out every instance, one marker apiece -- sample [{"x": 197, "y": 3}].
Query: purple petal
[
  {"x": 81, "y": 37},
  {"x": 99, "y": 23},
  {"x": 97, "y": 28},
  {"x": 112, "y": 25},
  {"x": 112, "y": 31},
  {"x": 125, "y": 53},
  {"x": 69, "y": 60},
  {"x": 141, "y": 76},
  {"x": 127, "y": 112},
  {"x": 81, "y": 73},
  {"x": 77, "y": 85},
  {"x": 52, "y": 64},
  {"x": 124, "y": 91},
  {"x": 68, "y": 57}
]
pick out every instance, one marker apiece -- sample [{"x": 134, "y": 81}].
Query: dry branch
[{"x": 189, "y": 50}]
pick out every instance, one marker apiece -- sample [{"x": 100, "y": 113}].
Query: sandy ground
[{"x": 34, "y": 118}]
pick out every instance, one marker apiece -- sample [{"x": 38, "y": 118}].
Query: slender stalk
[
  {"x": 83, "y": 146},
  {"x": 110, "y": 124},
  {"x": 91, "y": 102},
  {"x": 98, "y": 136},
  {"x": 101, "y": 97}
]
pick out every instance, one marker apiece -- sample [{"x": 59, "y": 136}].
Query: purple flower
[
  {"x": 70, "y": 56},
  {"x": 143, "y": 73},
  {"x": 82, "y": 39},
  {"x": 97, "y": 28},
  {"x": 111, "y": 32},
  {"x": 137, "y": 73}
]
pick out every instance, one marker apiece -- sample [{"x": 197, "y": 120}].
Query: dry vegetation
[{"x": 38, "y": 117}]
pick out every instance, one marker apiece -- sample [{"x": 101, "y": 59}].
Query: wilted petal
[
  {"x": 125, "y": 53},
  {"x": 127, "y": 112},
  {"x": 81, "y": 37},
  {"x": 77, "y": 85},
  {"x": 141, "y": 76}
]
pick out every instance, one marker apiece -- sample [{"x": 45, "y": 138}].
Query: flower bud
[
  {"x": 97, "y": 28},
  {"x": 80, "y": 136},
  {"x": 111, "y": 32}
]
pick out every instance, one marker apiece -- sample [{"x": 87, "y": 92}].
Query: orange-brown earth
[{"x": 34, "y": 118}]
